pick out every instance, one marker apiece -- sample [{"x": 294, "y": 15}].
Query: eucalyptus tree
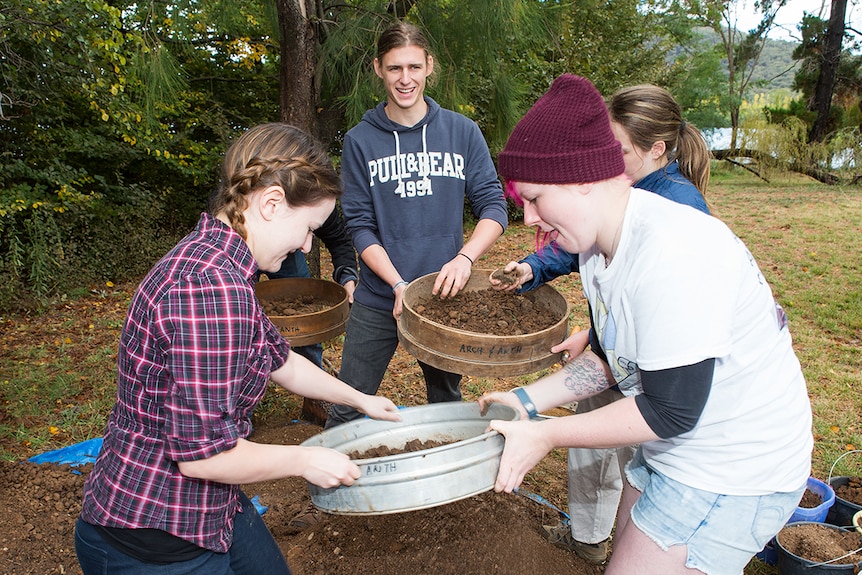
[
  {"x": 617, "y": 44},
  {"x": 847, "y": 88},
  {"x": 741, "y": 49}
]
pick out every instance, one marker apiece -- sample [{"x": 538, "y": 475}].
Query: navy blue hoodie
[{"x": 404, "y": 189}]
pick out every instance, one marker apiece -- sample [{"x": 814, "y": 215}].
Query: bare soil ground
[{"x": 487, "y": 533}]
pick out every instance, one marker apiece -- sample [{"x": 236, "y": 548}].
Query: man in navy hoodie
[{"x": 406, "y": 169}]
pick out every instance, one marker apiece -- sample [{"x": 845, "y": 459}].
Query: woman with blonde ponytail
[
  {"x": 657, "y": 142},
  {"x": 196, "y": 354}
]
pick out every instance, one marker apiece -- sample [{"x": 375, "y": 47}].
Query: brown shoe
[
  {"x": 561, "y": 536},
  {"x": 308, "y": 517}
]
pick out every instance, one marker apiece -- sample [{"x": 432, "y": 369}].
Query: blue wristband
[{"x": 528, "y": 404}]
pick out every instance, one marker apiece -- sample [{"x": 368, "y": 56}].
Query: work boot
[
  {"x": 561, "y": 536},
  {"x": 308, "y": 517}
]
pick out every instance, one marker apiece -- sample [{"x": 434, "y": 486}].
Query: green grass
[{"x": 806, "y": 239}]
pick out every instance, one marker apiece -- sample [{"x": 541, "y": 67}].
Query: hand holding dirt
[{"x": 505, "y": 278}]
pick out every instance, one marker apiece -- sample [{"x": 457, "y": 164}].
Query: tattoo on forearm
[{"x": 584, "y": 377}]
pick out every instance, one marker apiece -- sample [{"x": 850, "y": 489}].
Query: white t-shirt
[{"x": 683, "y": 288}]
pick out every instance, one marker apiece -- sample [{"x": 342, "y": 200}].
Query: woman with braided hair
[{"x": 195, "y": 356}]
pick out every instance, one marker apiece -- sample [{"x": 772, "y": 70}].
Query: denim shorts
[{"x": 721, "y": 532}]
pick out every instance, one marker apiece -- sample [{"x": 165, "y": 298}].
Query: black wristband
[{"x": 469, "y": 259}]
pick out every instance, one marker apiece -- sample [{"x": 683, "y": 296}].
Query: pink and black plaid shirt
[{"x": 195, "y": 357}]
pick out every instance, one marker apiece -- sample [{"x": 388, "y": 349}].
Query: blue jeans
[
  {"x": 253, "y": 551},
  {"x": 721, "y": 532},
  {"x": 369, "y": 344}
]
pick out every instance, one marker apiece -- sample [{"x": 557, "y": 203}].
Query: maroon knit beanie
[{"x": 565, "y": 138}]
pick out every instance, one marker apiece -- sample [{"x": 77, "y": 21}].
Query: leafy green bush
[{"x": 53, "y": 247}]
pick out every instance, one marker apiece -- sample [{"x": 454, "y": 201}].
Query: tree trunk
[
  {"x": 296, "y": 96},
  {"x": 297, "y": 91},
  {"x": 828, "y": 68}
]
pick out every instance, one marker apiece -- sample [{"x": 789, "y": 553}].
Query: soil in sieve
[
  {"x": 489, "y": 311},
  {"x": 487, "y": 533},
  {"x": 300, "y": 305},
  {"x": 410, "y": 447}
]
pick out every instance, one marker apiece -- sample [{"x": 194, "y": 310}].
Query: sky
[{"x": 791, "y": 14}]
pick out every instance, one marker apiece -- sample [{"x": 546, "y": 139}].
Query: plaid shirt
[{"x": 195, "y": 357}]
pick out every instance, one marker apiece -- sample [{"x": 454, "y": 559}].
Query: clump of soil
[
  {"x": 489, "y": 311},
  {"x": 810, "y": 500},
  {"x": 299, "y": 305},
  {"x": 818, "y": 543},
  {"x": 852, "y": 491},
  {"x": 506, "y": 279},
  {"x": 410, "y": 447}
]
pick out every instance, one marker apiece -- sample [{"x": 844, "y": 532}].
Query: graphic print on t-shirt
[{"x": 625, "y": 370}]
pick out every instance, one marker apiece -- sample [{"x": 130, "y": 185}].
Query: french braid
[{"x": 267, "y": 155}]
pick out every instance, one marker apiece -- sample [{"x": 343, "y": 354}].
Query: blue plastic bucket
[
  {"x": 769, "y": 554},
  {"x": 816, "y": 514}
]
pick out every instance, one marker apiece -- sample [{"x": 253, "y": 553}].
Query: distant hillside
[{"x": 776, "y": 66}]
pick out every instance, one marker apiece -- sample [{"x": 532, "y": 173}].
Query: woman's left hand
[
  {"x": 379, "y": 407},
  {"x": 525, "y": 446}
]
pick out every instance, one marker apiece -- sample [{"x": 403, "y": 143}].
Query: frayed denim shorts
[{"x": 721, "y": 532}]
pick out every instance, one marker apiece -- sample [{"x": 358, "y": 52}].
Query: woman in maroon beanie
[
  {"x": 713, "y": 393},
  {"x": 667, "y": 156}
]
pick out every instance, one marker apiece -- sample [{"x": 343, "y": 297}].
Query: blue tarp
[
  {"x": 86, "y": 452},
  {"x": 78, "y": 454}
]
